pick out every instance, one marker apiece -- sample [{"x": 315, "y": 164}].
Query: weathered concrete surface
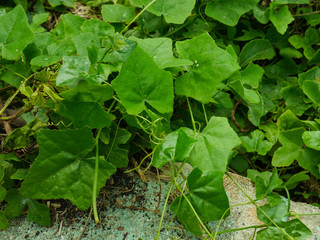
[
  {"x": 246, "y": 215},
  {"x": 121, "y": 222}
]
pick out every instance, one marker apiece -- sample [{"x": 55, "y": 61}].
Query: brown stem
[
  {"x": 306, "y": 14},
  {"x": 234, "y": 118}
]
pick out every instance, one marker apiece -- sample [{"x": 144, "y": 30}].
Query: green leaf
[
  {"x": 173, "y": 11},
  {"x": 3, "y": 192},
  {"x": 67, "y": 3},
  {"x": 276, "y": 213},
  {"x": 160, "y": 49},
  {"x": 258, "y": 49},
  {"x": 229, "y": 11},
  {"x": 280, "y": 18},
  {"x": 311, "y": 74},
  {"x": 37, "y": 20},
  {"x": 20, "y": 174},
  {"x": 117, "y": 13},
  {"x": 211, "y": 65},
  {"x": 213, "y": 146},
  {"x": 207, "y": 196},
  {"x": 288, "y": 120},
  {"x": 15, "y": 33},
  {"x": 141, "y": 81},
  {"x": 176, "y": 147},
  {"x": 271, "y": 130},
  {"x": 265, "y": 182},
  {"x": 72, "y": 70},
  {"x": 252, "y": 75},
  {"x": 255, "y": 143},
  {"x": 39, "y": 213},
  {"x": 312, "y": 139},
  {"x": 83, "y": 105},
  {"x": 114, "y": 137},
  {"x": 61, "y": 169},
  {"x": 262, "y": 15},
  {"x": 312, "y": 89},
  {"x": 21, "y": 137},
  {"x": 295, "y": 99},
  {"x": 98, "y": 27},
  {"x": 295, "y": 179},
  {"x": 293, "y": 149},
  {"x": 44, "y": 61},
  {"x": 3, "y": 221},
  {"x": 239, "y": 163},
  {"x": 289, "y": 52},
  {"x": 311, "y": 37}
]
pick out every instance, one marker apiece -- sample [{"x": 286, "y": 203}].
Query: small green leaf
[
  {"x": 117, "y": 13},
  {"x": 311, "y": 37},
  {"x": 255, "y": 143},
  {"x": 211, "y": 65},
  {"x": 213, "y": 146},
  {"x": 207, "y": 196},
  {"x": 72, "y": 70},
  {"x": 61, "y": 169},
  {"x": 99, "y": 28},
  {"x": 141, "y": 81},
  {"x": 15, "y": 33},
  {"x": 22, "y": 137},
  {"x": 160, "y": 49},
  {"x": 3, "y": 192},
  {"x": 176, "y": 147},
  {"x": 295, "y": 99},
  {"x": 173, "y": 11},
  {"x": 37, "y": 20},
  {"x": 3, "y": 221},
  {"x": 39, "y": 213},
  {"x": 258, "y": 49},
  {"x": 295, "y": 179},
  {"x": 67, "y": 3},
  {"x": 20, "y": 174},
  {"x": 44, "y": 61},
  {"x": 229, "y": 11},
  {"x": 288, "y": 120},
  {"x": 312, "y": 139},
  {"x": 280, "y": 18}
]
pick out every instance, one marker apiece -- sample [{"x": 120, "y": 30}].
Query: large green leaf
[
  {"x": 176, "y": 147},
  {"x": 257, "y": 49},
  {"x": 207, "y": 196},
  {"x": 141, "y": 81},
  {"x": 15, "y": 33},
  {"x": 61, "y": 169},
  {"x": 117, "y": 13},
  {"x": 229, "y": 11},
  {"x": 211, "y": 65},
  {"x": 160, "y": 49},
  {"x": 173, "y": 11},
  {"x": 255, "y": 143},
  {"x": 213, "y": 146}
]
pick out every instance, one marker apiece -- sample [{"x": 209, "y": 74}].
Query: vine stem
[
  {"x": 164, "y": 209},
  {"x": 257, "y": 206},
  {"x": 95, "y": 180},
  {"x": 192, "y": 119},
  {"x": 193, "y": 210},
  {"x": 8, "y": 102},
  {"x": 138, "y": 15}
]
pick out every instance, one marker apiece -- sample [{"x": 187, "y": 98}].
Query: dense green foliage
[{"x": 218, "y": 84}]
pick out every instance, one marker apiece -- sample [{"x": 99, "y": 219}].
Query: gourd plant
[{"x": 210, "y": 83}]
